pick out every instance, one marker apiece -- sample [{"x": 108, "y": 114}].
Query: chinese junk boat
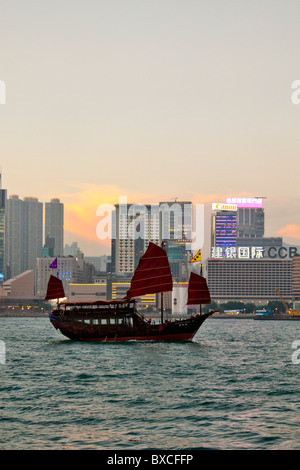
[{"x": 119, "y": 320}]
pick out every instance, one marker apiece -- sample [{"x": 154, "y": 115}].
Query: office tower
[
  {"x": 54, "y": 224},
  {"x": 223, "y": 229},
  {"x": 15, "y": 236},
  {"x": 176, "y": 220},
  {"x": 250, "y": 223},
  {"x": 250, "y": 216},
  {"x": 33, "y": 231}
]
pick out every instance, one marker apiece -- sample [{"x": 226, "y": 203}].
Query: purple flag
[{"x": 54, "y": 264}]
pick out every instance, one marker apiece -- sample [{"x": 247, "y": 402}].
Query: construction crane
[{"x": 288, "y": 309}]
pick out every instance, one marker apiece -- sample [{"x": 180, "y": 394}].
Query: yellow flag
[{"x": 195, "y": 258}]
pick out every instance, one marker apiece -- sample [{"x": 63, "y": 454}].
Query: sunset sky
[{"x": 152, "y": 100}]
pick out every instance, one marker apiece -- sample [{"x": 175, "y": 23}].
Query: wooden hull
[{"x": 180, "y": 330}]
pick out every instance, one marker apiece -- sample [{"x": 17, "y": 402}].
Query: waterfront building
[
  {"x": 20, "y": 286},
  {"x": 296, "y": 278},
  {"x": 87, "y": 292},
  {"x": 249, "y": 279},
  {"x": 54, "y": 224},
  {"x": 117, "y": 288},
  {"x": 69, "y": 270}
]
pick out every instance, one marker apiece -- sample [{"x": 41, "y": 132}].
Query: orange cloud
[
  {"x": 290, "y": 231},
  {"x": 80, "y": 220},
  {"x": 81, "y": 205}
]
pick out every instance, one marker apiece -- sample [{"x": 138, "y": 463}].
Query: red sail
[
  {"x": 55, "y": 289},
  {"x": 153, "y": 273},
  {"x": 198, "y": 292}
]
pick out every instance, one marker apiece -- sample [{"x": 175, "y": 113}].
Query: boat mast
[
  {"x": 162, "y": 296},
  {"x": 201, "y": 275}
]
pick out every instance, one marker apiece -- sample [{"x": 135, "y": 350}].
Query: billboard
[
  {"x": 221, "y": 206},
  {"x": 247, "y": 202},
  {"x": 253, "y": 252}
]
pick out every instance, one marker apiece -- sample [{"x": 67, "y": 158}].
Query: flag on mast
[
  {"x": 54, "y": 264},
  {"x": 196, "y": 258}
]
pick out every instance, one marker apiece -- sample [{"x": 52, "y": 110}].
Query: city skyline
[
  {"x": 152, "y": 101},
  {"x": 86, "y": 220}
]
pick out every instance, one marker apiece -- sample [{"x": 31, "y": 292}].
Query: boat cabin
[{"x": 99, "y": 313}]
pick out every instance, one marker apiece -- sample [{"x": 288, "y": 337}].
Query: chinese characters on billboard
[{"x": 252, "y": 252}]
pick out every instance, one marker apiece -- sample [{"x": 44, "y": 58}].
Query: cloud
[
  {"x": 291, "y": 231},
  {"x": 81, "y": 205},
  {"x": 80, "y": 219}
]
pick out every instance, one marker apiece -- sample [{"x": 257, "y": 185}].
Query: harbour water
[{"x": 236, "y": 386}]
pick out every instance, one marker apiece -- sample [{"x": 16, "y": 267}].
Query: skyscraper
[
  {"x": 15, "y": 236},
  {"x": 223, "y": 229},
  {"x": 250, "y": 219},
  {"x": 54, "y": 224},
  {"x": 33, "y": 231}
]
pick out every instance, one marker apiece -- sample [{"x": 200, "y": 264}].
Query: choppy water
[{"x": 234, "y": 387}]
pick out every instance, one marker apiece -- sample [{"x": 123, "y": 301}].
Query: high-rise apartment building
[
  {"x": 134, "y": 226},
  {"x": 33, "y": 230},
  {"x": 15, "y": 236},
  {"x": 24, "y": 234},
  {"x": 54, "y": 225}
]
